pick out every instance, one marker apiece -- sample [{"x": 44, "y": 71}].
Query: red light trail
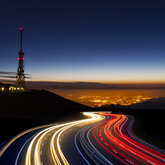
[{"x": 114, "y": 138}]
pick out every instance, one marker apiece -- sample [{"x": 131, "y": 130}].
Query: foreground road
[{"x": 104, "y": 138}]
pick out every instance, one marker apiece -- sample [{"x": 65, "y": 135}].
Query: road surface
[{"x": 103, "y": 138}]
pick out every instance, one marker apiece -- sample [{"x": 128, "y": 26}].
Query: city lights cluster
[{"x": 102, "y": 100}]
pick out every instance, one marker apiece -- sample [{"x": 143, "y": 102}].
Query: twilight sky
[{"x": 85, "y": 40}]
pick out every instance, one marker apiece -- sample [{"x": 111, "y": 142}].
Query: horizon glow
[{"x": 112, "y": 42}]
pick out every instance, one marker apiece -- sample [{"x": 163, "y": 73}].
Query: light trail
[
  {"x": 79, "y": 149},
  {"x": 55, "y": 149},
  {"x": 96, "y": 149},
  {"x": 110, "y": 136},
  {"x": 19, "y": 135}
]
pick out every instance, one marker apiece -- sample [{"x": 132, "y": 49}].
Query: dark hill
[
  {"x": 155, "y": 103},
  {"x": 23, "y": 110},
  {"x": 37, "y": 105}
]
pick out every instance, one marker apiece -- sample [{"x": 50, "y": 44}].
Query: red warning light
[
  {"x": 20, "y": 58},
  {"x": 20, "y": 28}
]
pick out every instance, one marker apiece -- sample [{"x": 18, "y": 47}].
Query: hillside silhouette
[{"x": 23, "y": 110}]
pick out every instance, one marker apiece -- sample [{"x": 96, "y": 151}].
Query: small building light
[
  {"x": 22, "y": 89},
  {"x": 2, "y": 88},
  {"x": 11, "y": 88}
]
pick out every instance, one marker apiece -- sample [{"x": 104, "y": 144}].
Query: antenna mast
[{"x": 20, "y": 78}]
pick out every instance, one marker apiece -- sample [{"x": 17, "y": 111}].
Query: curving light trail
[
  {"x": 110, "y": 135},
  {"x": 55, "y": 149}
]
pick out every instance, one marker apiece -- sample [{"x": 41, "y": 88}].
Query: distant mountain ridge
[
  {"x": 88, "y": 85},
  {"x": 91, "y": 85}
]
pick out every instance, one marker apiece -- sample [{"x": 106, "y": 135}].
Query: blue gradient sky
[{"x": 107, "y": 41}]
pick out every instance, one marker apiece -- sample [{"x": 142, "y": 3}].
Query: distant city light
[{"x": 102, "y": 100}]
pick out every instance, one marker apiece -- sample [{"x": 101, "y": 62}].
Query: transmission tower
[{"x": 20, "y": 78}]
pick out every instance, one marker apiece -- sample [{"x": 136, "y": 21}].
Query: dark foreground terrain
[{"x": 23, "y": 110}]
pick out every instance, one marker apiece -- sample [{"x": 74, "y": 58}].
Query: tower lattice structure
[{"x": 20, "y": 78}]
